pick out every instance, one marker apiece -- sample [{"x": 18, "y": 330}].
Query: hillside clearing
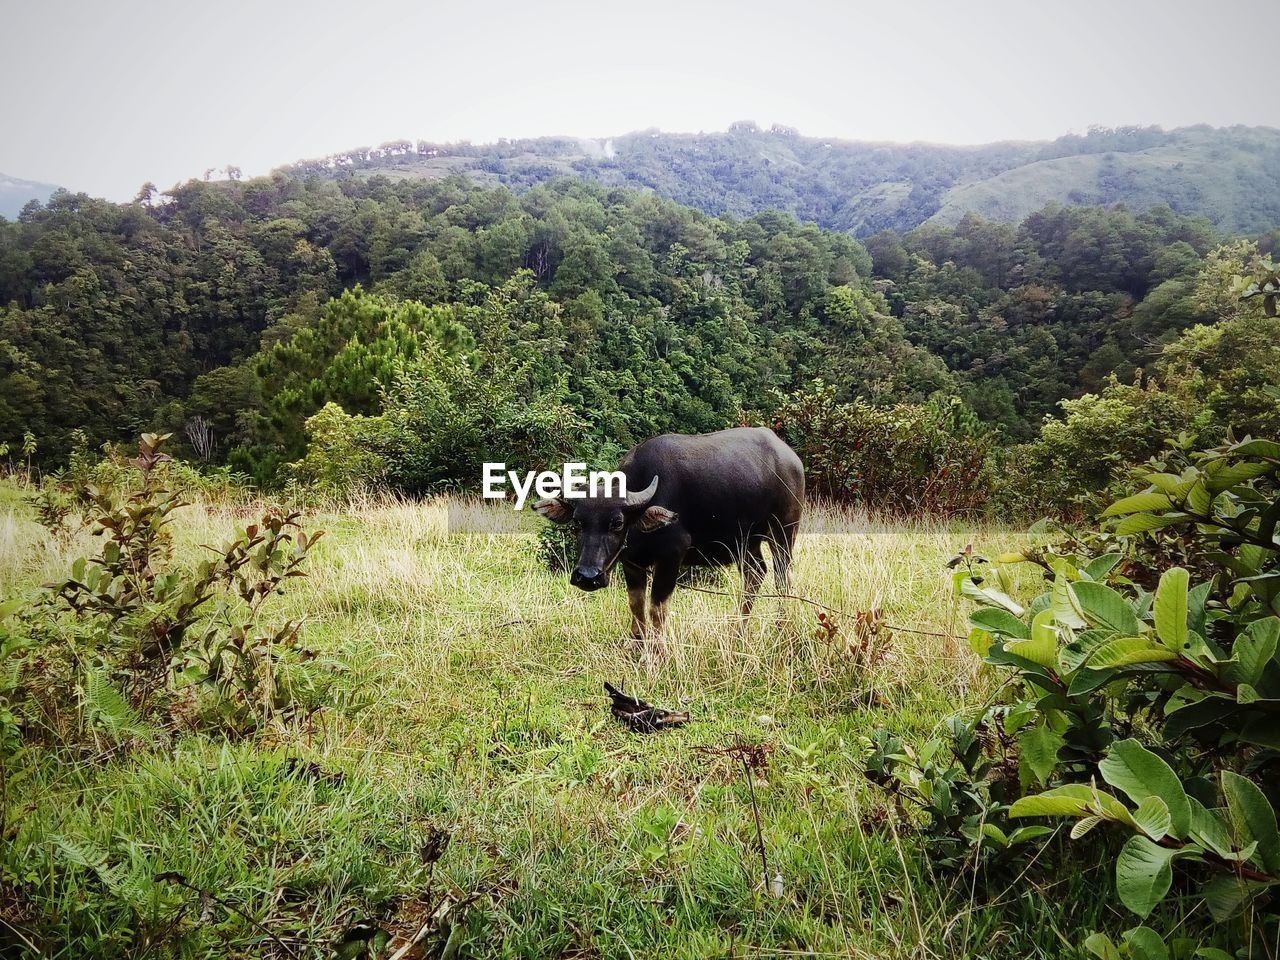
[{"x": 469, "y": 701}]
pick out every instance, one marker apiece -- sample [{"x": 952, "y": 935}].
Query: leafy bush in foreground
[
  {"x": 909, "y": 458},
  {"x": 1157, "y": 712},
  {"x": 132, "y": 637}
]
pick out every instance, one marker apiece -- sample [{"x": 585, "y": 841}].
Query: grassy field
[{"x": 469, "y": 702}]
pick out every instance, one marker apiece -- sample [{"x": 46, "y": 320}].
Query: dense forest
[
  {"x": 1227, "y": 175},
  {"x": 570, "y": 313}
]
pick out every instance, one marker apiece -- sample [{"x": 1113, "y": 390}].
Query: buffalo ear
[
  {"x": 655, "y": 518},
  {"x": 557, "y": 511}
]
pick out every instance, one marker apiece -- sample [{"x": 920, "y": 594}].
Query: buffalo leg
[
  {"x": 637, "y": 580},
  {"x": 781, "y": 543},
  {"x": 664, "y": 584},
  {"x": 752, "y": 564}
]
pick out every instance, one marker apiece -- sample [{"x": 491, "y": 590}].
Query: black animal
[{"x": 706, "y": 500}]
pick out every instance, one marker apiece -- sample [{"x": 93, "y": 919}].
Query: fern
[
  {"x": 118, "y": 879},
  {"x": 106, "y": 708}
]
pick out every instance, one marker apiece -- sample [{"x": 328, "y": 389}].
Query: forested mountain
[
  {"x": 1228, "y": 175},
  {"x": 648, "y": 315},
  {"x": 223, "y": 305},
  {"x": 16, "y": 194}
]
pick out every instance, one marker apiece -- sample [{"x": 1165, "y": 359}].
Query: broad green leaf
[
  {"x": 1227, "y": 894},
  {"x": 1199, "y": 500},
  {"x": 1172, "y": 484},
  {"x": 1171, "y": 607},
  {"x": 1084, "y": 826},
  {"x": 1143, "y": 874},
  {"x": 1086, "y": 681},
  {"x": 1042, "y": 648},
  {"x": 997, "y": 620},
  {"x": 979, "y": 641},
  {"x": 1105, "y": 608},
  {"x": 1065, "y": 604},
  {"x": 1073, "y": 800},
  {"x": 1209, "y": 829},
  {"x": 1196, "y": 598},
  {"x": 1254, "y": 649},
  {"x": 1268, "y": 449},
  {"x": 1127, "y": 650},
  {"x": 1138, "y": 503},
  {"x": 1031, "y": 832},
  {"x": 1100, "y": 945},
  {"x": 1249, "y": 559},
  {"x": 1139, "y": 773},
  {"x": 1144, "y": 522},
  {"x": 989, "y": 596},
  {"x": 992, "y": 832},
  {"x": 1049, "y": 804},
  {"x": 1145, "y": 944},
  {"x": 1099, "y": 567},
  {"x": 1075, "y": 653},
  {"x": 1152, "y": 816},
  {"x": 1263, "y": 732},
  {"x": 1253, "y": 818},
  {"x": 1039, "y": 748},
  {"x": 1237, "y": 473}
]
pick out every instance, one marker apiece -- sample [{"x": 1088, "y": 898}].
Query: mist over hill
[
  {"x": 16, "y": 194},
  {"x": 1229, "y": 175}
]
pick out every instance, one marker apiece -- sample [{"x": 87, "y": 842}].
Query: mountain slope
[
  {"x": 16, "y": 194},
  {"x": 1232, "y": 176},
  {"x": 1229, "y": 175}
]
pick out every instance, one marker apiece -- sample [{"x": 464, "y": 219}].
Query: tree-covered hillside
[
  {"x": 1228, "y": 175},
  {"x": 218, "y": 311},
  {"x": 645, "y": 314}
]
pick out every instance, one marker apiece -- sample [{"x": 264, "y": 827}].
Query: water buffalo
[{"x": 705, "y": 500}]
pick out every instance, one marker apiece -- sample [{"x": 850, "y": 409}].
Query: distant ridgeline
[
  {"x": 569, "y": 308},
  {"x": 16, "y": 194},
  {"x": 1228, "y": 175}
]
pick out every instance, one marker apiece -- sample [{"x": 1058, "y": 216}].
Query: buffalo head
[{"x": 604, "y": 523}]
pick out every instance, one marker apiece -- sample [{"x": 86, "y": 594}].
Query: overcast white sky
[{"x": 102, "y": 96}]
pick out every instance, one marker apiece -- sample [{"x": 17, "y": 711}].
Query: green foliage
[
  {"x": 442, "y": 419},
  {"x": 347, "y": 356},
  {"x": 962, "y": 783},
  {"x": 909, "y": 458},
  {"x": 1211, "y": 383},
  {"x": 340, "y": 460},
  {"x": 1222, "y": 174},
  {"x": 130, "y": 630},
  {"x": 1266, "y": 285},
  {"x": 214, "y": 314},
  {"x": 557, "y": 546},
  {"x": 1168, "y": 696},
  {"x": 1076, "y": 458},
  {"x": 221, "y": 315}
]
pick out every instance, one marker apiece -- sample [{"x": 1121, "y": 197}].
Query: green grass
[{"x": 470, "y": 701}]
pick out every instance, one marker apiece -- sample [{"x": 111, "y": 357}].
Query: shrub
[
  {"x": 1168, "y": 697},
  {"x": 339, "y": 459},
  {"x": 557, "y": 546},
  {"x": 132, "y": 635},
  {"x": 442, "y": 419},
  {"x": 1066, "y": 468},
  {"x": 909, "y": 458}
]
